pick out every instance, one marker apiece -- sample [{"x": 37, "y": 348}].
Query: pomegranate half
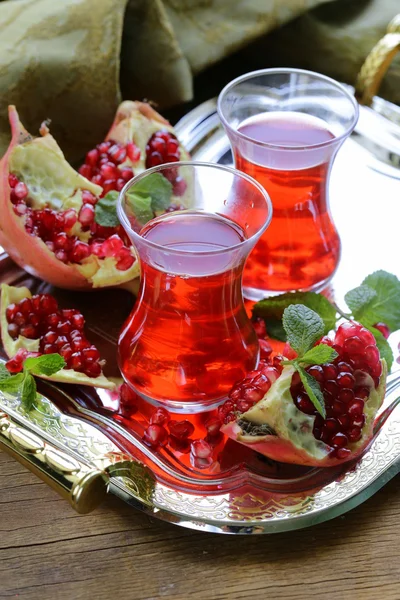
[
  {"x": 34, "y": 325},
  {"x": 270, "y": 411},
  {"x": 47, "y": 209}
]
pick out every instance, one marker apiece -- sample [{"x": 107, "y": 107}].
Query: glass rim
[
  {"x": 287, "y": 70},
  {"x": 231, "y": 170}
]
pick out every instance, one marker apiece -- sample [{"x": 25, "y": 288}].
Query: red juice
[
  {"x": 189, "y": 338},
  {"x": 301, "y": 247}
]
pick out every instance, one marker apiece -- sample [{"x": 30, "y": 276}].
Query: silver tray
[{"x": 85, "y": 452}]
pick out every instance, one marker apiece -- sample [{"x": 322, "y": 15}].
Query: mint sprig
[
  {"x": 24, "y": 383},
  {"x": 105, "y": 212},
  {"x": 303, "y": 328},
  {"x": 376, "y": 300},
  {"x": 148, "y": 196}
]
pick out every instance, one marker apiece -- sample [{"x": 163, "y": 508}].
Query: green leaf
[
  {"x": 105, "y": 211},
  {"x": 47, "y": 364},
  {"x": 4, "y": 373},
  {"x": 303, "y": 327},
  {"x": 318, "y": 355},
  {"x": 272, "y": 308},
  {"x": 275, "y": 329},
  {"x": 357, "y": 298},
  {"x": 383, "y": 346},
  {"x": 12, "y": 384},
  {"x": 313, "y": 390},
  {"x": 385, "y": 306},
  {"x": 141, "y": 207},
  {"x": 157, "y": 187},
  {"x": 28, "y": 392}
]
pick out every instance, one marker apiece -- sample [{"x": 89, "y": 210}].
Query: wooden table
[{"x": 49, "y": 552}]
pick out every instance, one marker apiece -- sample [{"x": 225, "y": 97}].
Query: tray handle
[
  {"x": 377, "y": 63},
  {"x": 83, "y": 486}
]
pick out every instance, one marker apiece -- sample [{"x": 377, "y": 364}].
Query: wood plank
[{"x": 49, "y": 552}]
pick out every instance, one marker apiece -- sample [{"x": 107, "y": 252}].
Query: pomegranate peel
[
  {"x": 13, "y": 296},
  {"x": 41, "y": 200}
]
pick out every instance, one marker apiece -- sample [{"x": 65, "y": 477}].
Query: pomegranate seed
[
  {"x": 331, "y": 425},
  {"x": 181, "y": 429},
  {"x": 331, "y": 387},
  {"x": 356, "y": 407},
  {"x": 86, "y": 215},
  {"x": 92, "y": 369},
  {"x": 362, "y": 392},
  {"x": 13, "y": 330},
  {"x": 344, "y": 421},
  {"x": 155, "y": 435},
  {"x": 354, "y": 434},
  {"x": 53, "y": 320},
  {"x": 382, "y": 327},
  {"x": 126, "y": 174},
  {"x": 125, "y": 260},
  {"x": 20, "y": 190},
  {"x": 11, "y": 311},
  {"x": 96, "y": 247},
  {"x": 75, "y": 362},
  {"x": 70, "y": 218},
  {"x": 20, "y": 209},
  {"x": 49, "y": 349},
  {"x": 358, "y": 421},
  {"x": 12, "y": 180},
  {"x": 88, "y": 198},
  {"x": 61, "y": 341},
  {"x": 330, "y": 371},
  {"x": 304, "y": 404},
  {"x": 159, "y": 416},
  {"x": 338, "y": 408},
  {"x": 97, "y": 179},
  {"x": 61, "y": 255},
  {"x": 66, "y": 352},
  {"x": 86, "y": 171},
  {"x": 61, "y": 241},
  {"x": 109, "y": 171},
  {"x": 346, "y": 380},
  {"x": 112, "y": 246},
  {"x": 14, "y": 365},
  {"x": 78, "y": 343},
  {"x": 353, "y": 345},
  {"x": 133, "y": 152},
  {"x": 339, "y": 440},
  {"x": 346, "y": 395},
  {"x": 19, "y": 319},
  {"x": 201, "y": 449},
  {"x": 243, "y": 406},
  {"x": 366, "y": 336},
  {"x": 64, "y": 328},
  {"x": 75, "y": 334},
  {"x": 126, "y": 395},
  {"x": 372, "y": 355},
  {"x": 25, "y": 306},
  {"x": 78, "y": 321},
  {"x": 92, "y": 157},
  {"x": 90, "y": 354},
  {"x": 260, "y": 328},
  {"x": 29, "y": 331},
  {"x": 213, "y": 425},
  {"x": 108, "y": 186},
  {"x": 48, "y": 304},
  {"x": 50, "y": 246},
  {"x": 154, "y": 159},
  {"x": 179, "y": 186},
  {"x": 317, "y": 372},
  {"x": 80, "y": 251},
  {"x": 104, "y": 146},
  {"x": 119, "y": 184},
  {"x": 344, "y": 367},
  {"x": 376, "y": 370},
  {"x": 342, "y": 453}
]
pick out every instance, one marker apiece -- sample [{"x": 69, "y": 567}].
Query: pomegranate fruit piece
[
  {"x": 49, "y": 330},
  {"x": 155, "y": 435},
  {"x": 284, "y": 425},
  {"x": 47, "y": 215}
]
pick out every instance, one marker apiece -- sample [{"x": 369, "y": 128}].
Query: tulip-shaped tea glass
[
  {"x": 285, "y": 127},
  {"x": 188, "y": 338}
]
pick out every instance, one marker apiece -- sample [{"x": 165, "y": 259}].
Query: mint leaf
[
  {"x": 105, "y": 211},
  {"x": 385, "y": 306},
  {"x": 4, "y": 373},
  {"x": 272, "y": 308},
  {"x": 12, "y": 383},
  {"x": 383, "y": 346},
  {"x": 141, "y": 207},
  {"x": 157, "y": 187},
  {"x": 275, "y": 329},
  {"x": 318, "y": 355},
  {"x": 303, "y": 327},
  {"x": 28, "y": 392},
  {"x": 47, "y": 364},
  {"x": 313, "y": 390},
  {"x": 358, "y": 298}
]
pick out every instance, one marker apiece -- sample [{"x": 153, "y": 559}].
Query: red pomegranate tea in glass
[
  {"x": 285, "y": 127},
  {"x": 189, "y": 338}
]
